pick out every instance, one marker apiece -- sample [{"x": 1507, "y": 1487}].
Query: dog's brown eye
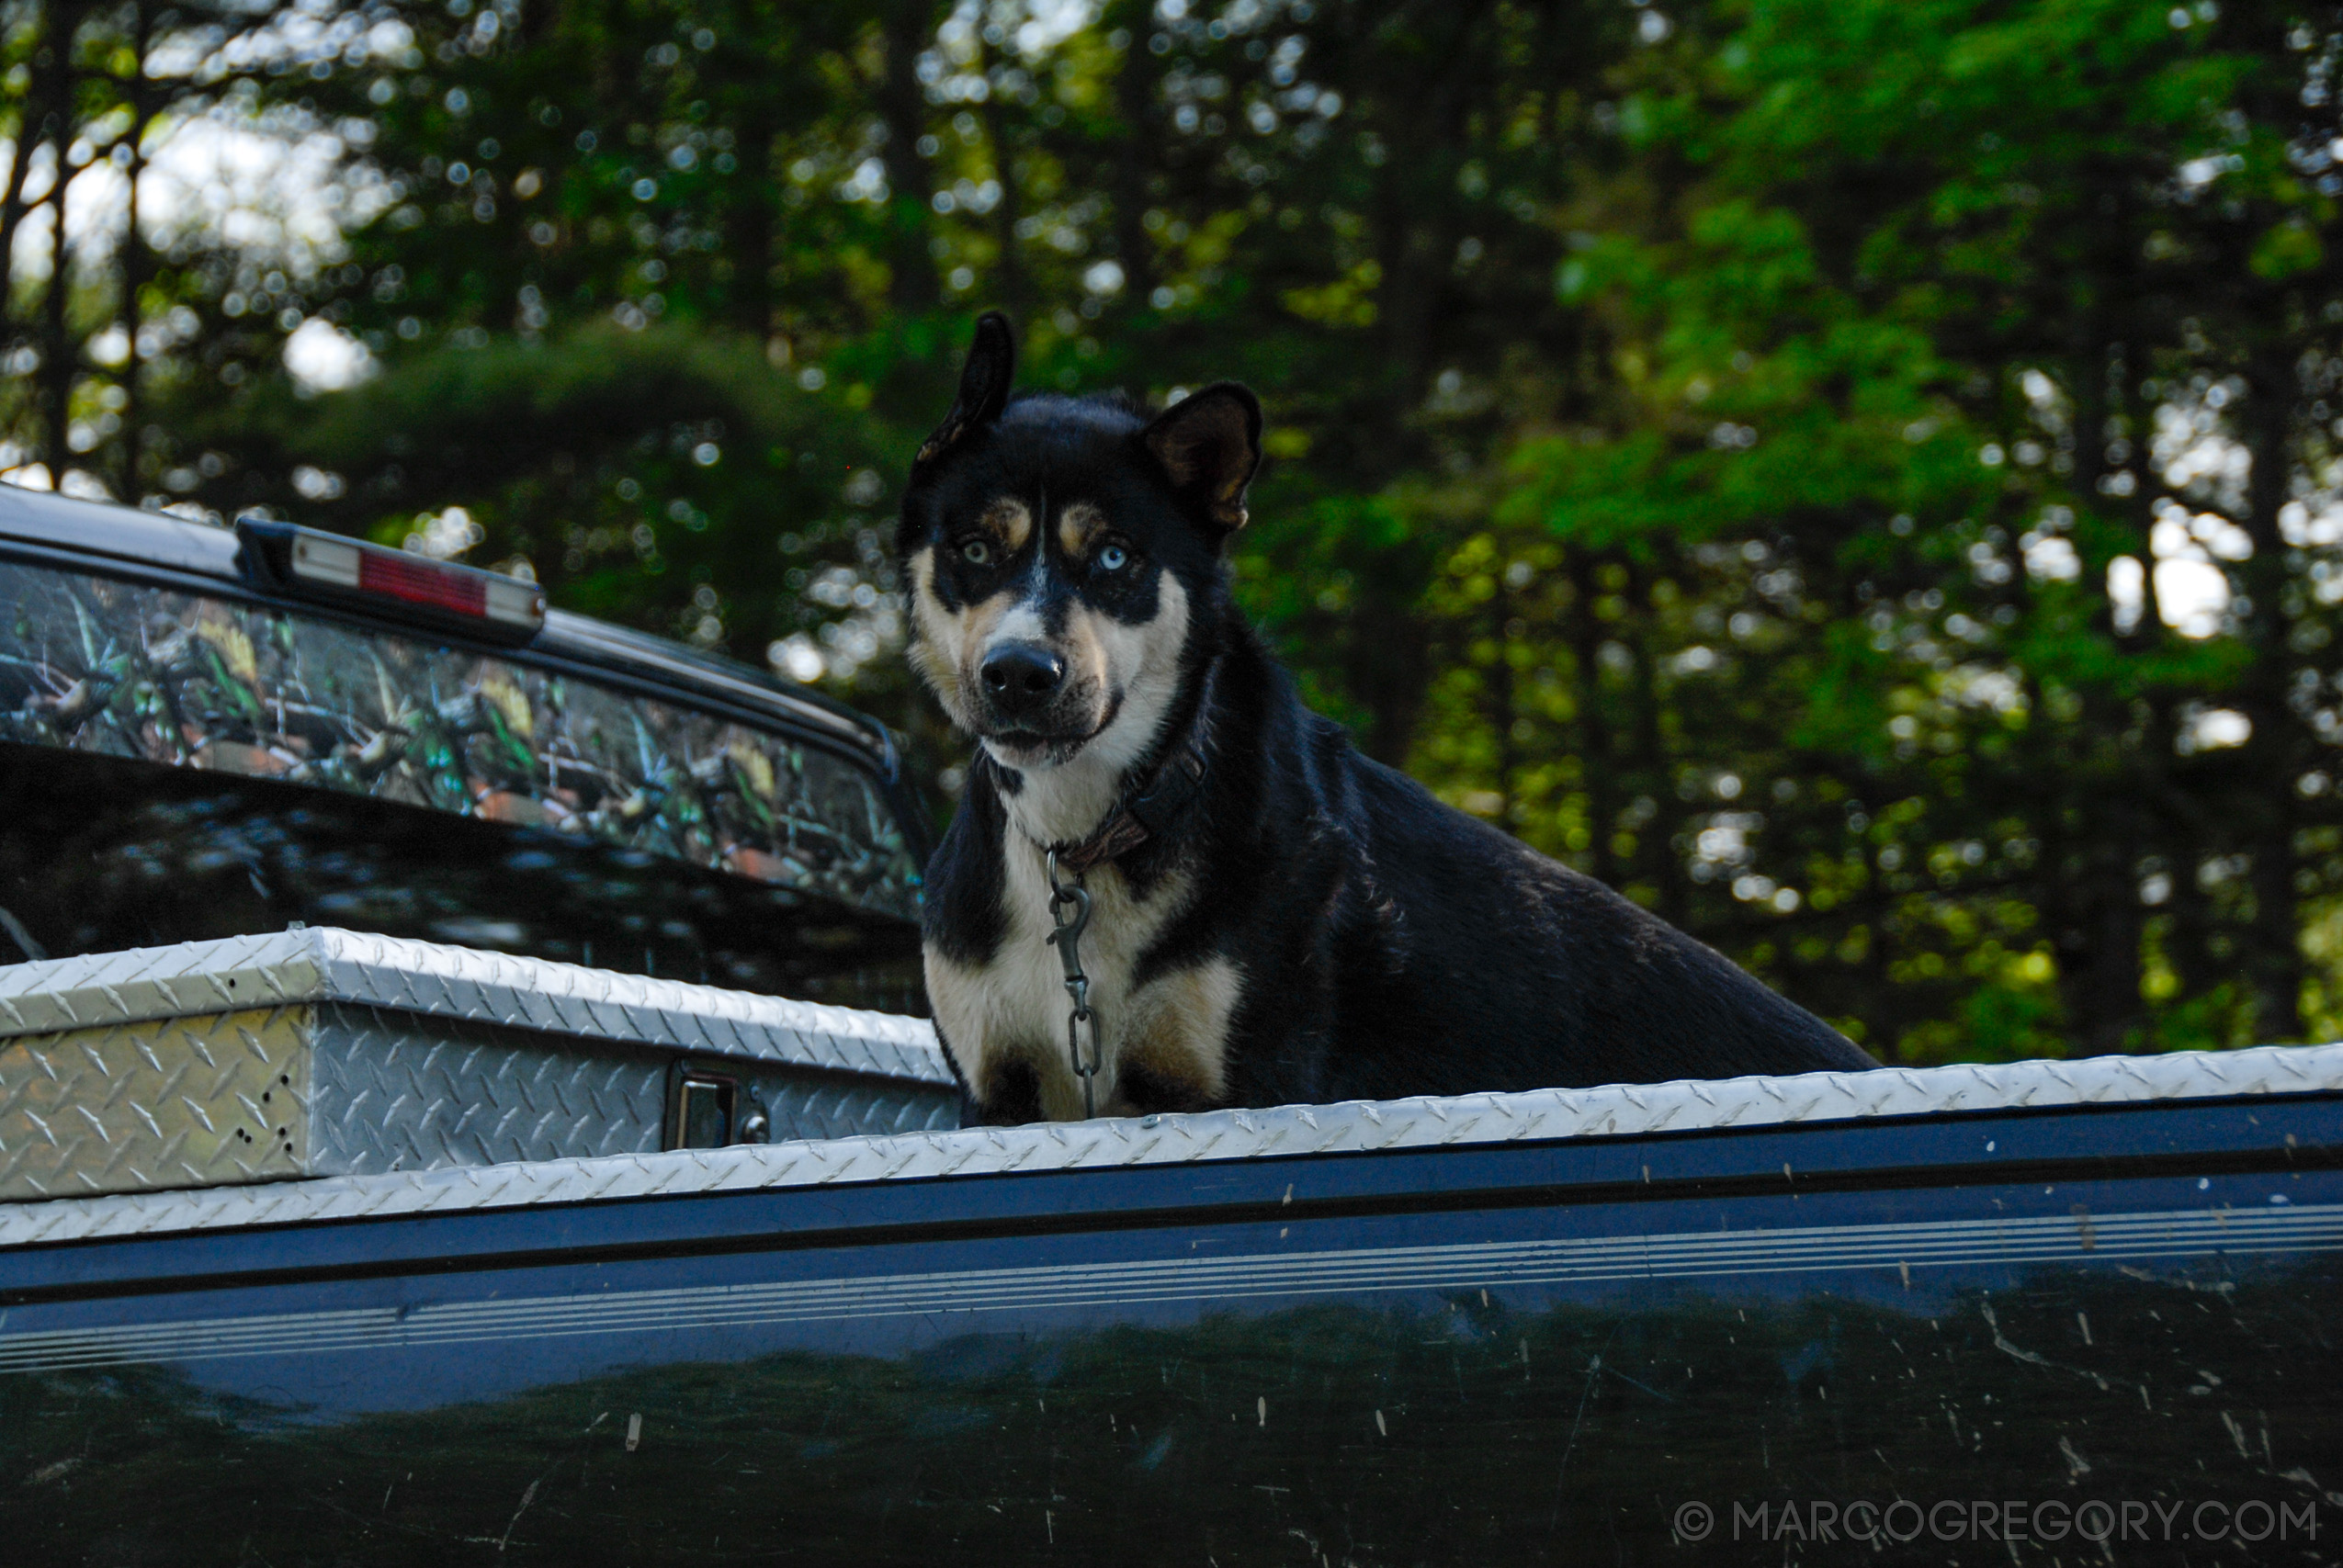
[{"x": 976, "y": 552}]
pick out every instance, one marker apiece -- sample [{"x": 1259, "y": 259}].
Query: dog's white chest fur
[{"x": 1015, "y": 1008}]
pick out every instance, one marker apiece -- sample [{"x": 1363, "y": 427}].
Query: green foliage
[
  {"x": 645, "y": 470},
  {"x": 1860, "y": 475},
  {"x": 1899, "y": 298}
]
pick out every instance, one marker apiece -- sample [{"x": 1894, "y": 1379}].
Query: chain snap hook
[{"x": 1069, "y": 913}]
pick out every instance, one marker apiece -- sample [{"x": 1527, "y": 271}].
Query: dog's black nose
[{"x": 1020, "y": 676}]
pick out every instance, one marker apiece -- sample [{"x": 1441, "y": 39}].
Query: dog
[{"x": 1259, "y": 914}]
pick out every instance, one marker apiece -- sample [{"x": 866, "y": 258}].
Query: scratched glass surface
[{"x": 127, "y": 671}]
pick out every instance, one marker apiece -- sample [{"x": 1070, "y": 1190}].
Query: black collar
[
  {"x": 1151, "y": 809},
  {"x": 1147, "y": 813}
]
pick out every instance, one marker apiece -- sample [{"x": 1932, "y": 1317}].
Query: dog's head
[{"x": 1063, "y": 554}]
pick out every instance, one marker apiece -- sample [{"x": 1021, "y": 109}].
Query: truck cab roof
[{"x": 101, "y": 533}]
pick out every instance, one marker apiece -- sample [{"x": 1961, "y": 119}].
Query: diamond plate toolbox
[{"x": 334, "y": 1053}]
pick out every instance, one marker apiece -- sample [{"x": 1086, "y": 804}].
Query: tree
[
  {"x": 1859, "y": 476},
  {"x": 1916, "y": 285}
]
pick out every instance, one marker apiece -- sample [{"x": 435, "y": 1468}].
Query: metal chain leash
[{"x": 1070, "y": 911}]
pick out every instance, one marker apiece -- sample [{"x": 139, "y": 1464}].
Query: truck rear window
[{"x": 174, "y": 766}]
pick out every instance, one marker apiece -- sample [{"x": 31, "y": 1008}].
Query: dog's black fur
[{"x": 1311, "y": 925}]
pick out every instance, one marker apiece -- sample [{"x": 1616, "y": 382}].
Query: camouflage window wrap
[{"x": 93, "y": 665}]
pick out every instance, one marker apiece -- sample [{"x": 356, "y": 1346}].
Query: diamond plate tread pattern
[
  {"x": 1619, "y": 1110},
  {"x": 327, "y": 964},
  {"x": 173, "y": 1102},
  {"x": 405, "y": 1091},
  {"x": 805, "y": 1108},
  {"x": 396, "y": 1091}
]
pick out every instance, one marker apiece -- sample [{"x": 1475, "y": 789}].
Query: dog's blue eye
[
  {"x": 976, "y": 552},
  {"x": 1114, "y": 559}
]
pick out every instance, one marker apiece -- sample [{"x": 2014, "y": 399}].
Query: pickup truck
[{"x": 461, "y": 1100}]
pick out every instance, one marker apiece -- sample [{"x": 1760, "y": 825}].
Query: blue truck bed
[{"x": 2077, "y": 1312}]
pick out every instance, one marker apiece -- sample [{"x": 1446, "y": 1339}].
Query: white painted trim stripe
[{"x": 2309, "y": 1228}]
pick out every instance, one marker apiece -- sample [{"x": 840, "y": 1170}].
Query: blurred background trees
[{"x": 1860, "y": 475}]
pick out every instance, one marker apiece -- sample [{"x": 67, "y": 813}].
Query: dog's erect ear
[
  {"x": 1209, "y": 446},
  {"x": 984, "y": 387}
]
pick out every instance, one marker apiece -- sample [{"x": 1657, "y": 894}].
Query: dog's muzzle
[
  {"x": 1021, "y": 681},
  {"x": 1034, "y": 711}
]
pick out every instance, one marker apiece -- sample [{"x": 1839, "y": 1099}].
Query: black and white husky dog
[{"x": 1262, "y": 916}]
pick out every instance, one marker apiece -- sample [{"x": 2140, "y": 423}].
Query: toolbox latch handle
[{"x": 709, "y": 1108}]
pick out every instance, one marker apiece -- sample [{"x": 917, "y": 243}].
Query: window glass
[
  {"x": 92, "y": 665},
  {"x": 177, "y": 768}
]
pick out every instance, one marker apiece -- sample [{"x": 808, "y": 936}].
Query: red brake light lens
[
  {"x": 346, "y": 568},
  {"x": 420, "y": 582}
]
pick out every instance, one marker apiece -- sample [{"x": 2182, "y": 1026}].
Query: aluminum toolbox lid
[
  {"x": 1353, "y": 1127},
  {"x": 327, "y": 964}
]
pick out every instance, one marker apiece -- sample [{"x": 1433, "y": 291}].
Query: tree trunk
[
  {"x": 1134, "y": 105},
  {"x": 58, "y": 358},
  {"x": 137, "y": 263},
  {"x": 748, "y": 223},
  {"x": 59, "y": 355},
  {"x": 1596, "y": 759},
  {"x": 41, "y": 103},
  {"x": 1009, "y": 273},
  {"x": 1654, "y": 839},
  {"x": 907, "y": 28},
  {"x": 1503, "y": 709},
  {"x": 2273, "y": 754},
  {"x": 2097, "y": 923}
]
